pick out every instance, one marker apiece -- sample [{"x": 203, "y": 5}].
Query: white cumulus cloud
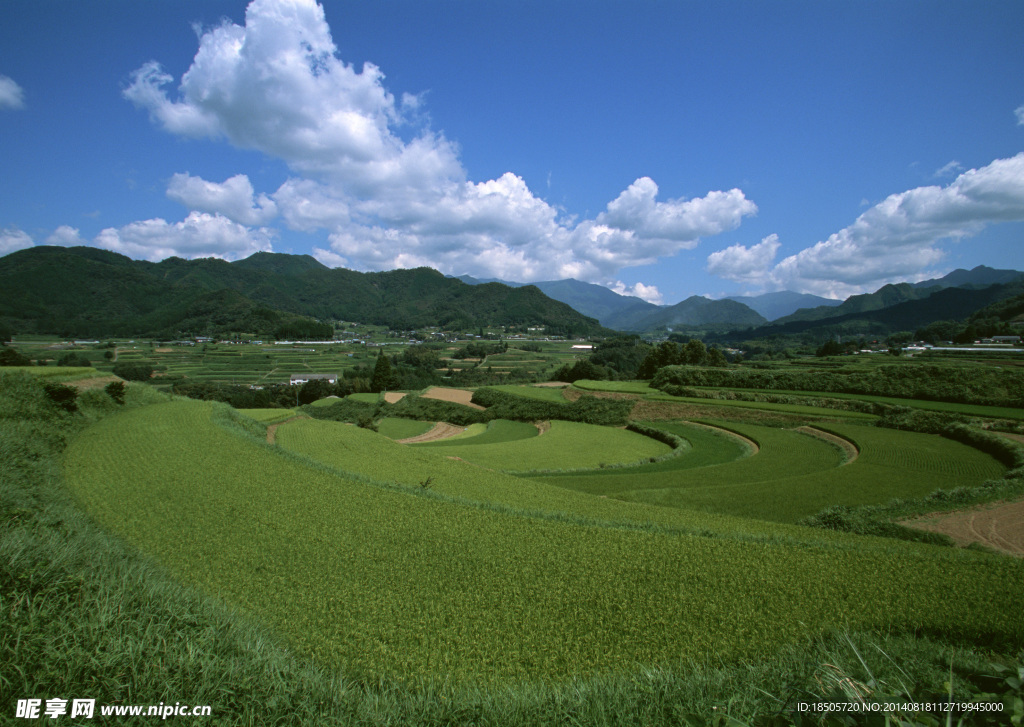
[
  {"x": 650, "y": 293},
  {"x": 278, "y": 85},
  {"x": 745, "y": 264},
  {"x": 897, "y": 239},
  {"x": 234, "y": 198},
  {"x": 199, "y": 235},
  {"x": 12, "y": 239},
  {"x": 65, "y": 236},
  {"x": 12, "y": 96}
]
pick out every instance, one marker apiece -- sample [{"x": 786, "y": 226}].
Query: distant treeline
[{"x": 987, "y": 386}]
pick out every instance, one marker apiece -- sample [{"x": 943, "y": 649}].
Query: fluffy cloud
[
  {"x": 12, "y": 239},
  {"x": 199, "y": 235},
  {"x": 896, "y": 239},
  {"x": 65, "y": 236},
  {"x": 650, "y": 293},
  {"x": 277, "y": 85},
  {"x": 234, "y": 198},
  {"x": 745, "y": 264},
  {"x": 11, "y": 94},
  {"x": 676, "y": 224}
]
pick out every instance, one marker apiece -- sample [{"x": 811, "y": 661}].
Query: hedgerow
[
  {"x": 989, "y": 386},
  {"x": 586, "y": 409}
]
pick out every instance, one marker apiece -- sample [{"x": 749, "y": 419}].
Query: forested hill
[
  {"x": 87, "y": 292},
  {"x": 948, "y": 304}
]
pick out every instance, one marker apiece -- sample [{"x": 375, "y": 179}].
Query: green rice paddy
[
  {"x": 795, "y": 475},
  {"x": 382, "y": 577},
  {"x": 566, "y": 445}
]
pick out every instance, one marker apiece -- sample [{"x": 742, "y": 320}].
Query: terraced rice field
[
  {"x": 567, "y": 445},
  {"x": 394, "y": 428},
  {"x": 795, "y": 475},
  {"x": 269, "y": 416},
  {"x": 388, "y": 580},
  {"x": 493, "y": 432}
]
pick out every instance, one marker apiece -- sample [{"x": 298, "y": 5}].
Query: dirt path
[
  {"x": 999, "y": 526},
  {"x": 848, "y": 447},
  {"x": 272, "y": 429},
  {"x": 1014, "y": 437},
  {"x": 441, "y": 430},
  {"x": 458, "y": 396}
]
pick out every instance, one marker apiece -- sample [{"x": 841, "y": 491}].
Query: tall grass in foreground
[{"x": 84, "y": 616}]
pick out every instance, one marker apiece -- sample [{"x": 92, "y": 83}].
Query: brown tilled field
[
  {"x": 457, "y": 396},
  {"x": 999, "y": 526},
  {"x": 441, "y": 430}
]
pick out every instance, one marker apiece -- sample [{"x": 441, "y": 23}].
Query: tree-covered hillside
[{"x": 82, "y": 291}]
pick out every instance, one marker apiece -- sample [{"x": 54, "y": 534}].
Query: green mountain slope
[
  {"x": 699, "y": 312},
  {"x": 944, "y": 305},
  {"x": 83, "y": 291}
]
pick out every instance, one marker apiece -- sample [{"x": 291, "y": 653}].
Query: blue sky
[{"x": 660, "y": 148}]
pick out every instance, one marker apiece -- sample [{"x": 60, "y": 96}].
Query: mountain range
[
  {"x": 88, "y": 292},
  {"x": 627, "y": 313}
]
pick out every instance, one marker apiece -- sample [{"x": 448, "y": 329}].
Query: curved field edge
[
  {"x": 381, "y": 582},
  {"x": 87, "y": 606},
  {"x": 565, "y": 445},
  {"x": 796, "y": 475}
]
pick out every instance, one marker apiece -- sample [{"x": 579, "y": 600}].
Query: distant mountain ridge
[
  {"x": 84, "y": 291},
  {"x": 894, "y": 294},
  {"x": 782, "y": 303},
  {"x": 697, "y": 312},
  {"x": 943, "y": 304},
  {"x": 628, "y": 313}
]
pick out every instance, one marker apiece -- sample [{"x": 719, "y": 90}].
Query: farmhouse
[{"x": 297, "y": 379}]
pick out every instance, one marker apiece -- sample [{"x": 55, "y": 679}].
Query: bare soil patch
[
  {"x": 457, "y": 396},
  {"x": 97, "y": 382},
  {"x": 542, "y": 427},
  {"x": 999, "y": 526},
  {"x": 1014, "y": 437},
  {"x": 552, "y": 384},
  {"x": 441, "y": 430},
  {"x": 848, "y": 447},
  {"x": 392, "y": 397}
]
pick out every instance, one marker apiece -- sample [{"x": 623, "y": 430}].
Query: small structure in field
[{"x": 298, "y": 379}]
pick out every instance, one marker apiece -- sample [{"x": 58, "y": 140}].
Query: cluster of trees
[
  {"x": 670, "y": 353},
  {"x": 10, "y": 357},
  {"x": 613, "y": 359},
  {"x": 479, "y": 350}
]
